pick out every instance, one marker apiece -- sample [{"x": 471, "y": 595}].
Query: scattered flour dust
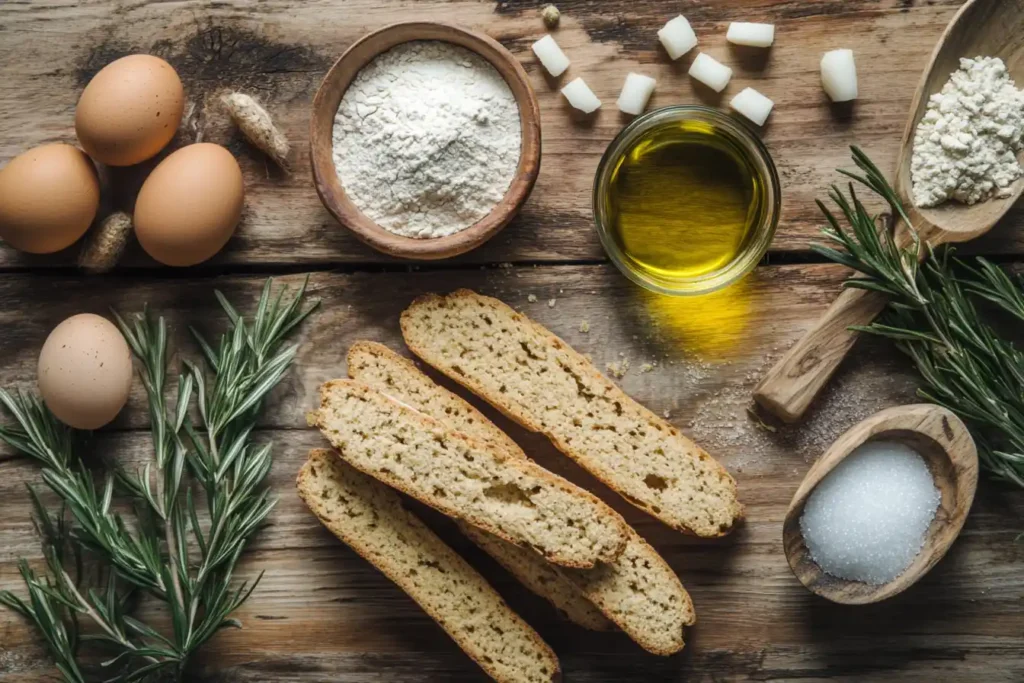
[
  {"x": 965, "y": 147},
  {"x": 722, "y": 424},
  {"x": 427, "y": 139}
]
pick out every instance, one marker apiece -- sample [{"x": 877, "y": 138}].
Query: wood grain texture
[
  {"x": 947, "y": 448},
  {"x": 699, "y": 345},
  {"x": 280, "y": 51},
  {"x": 323, "y": 613},
  {"x": 789, "y": 388}
]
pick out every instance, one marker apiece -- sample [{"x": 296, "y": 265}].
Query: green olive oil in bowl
[{"x": 686, "y": 200}]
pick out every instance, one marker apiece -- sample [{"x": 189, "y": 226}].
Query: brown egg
[
  {"x": 48, "y": 198},
  {"x": 130, "y": 110},
  {"x": 85, "y": 371},
  {"x": 189, "y": 205}
]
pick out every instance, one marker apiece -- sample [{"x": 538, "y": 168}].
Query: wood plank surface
[
  {"x": 322, "y": 613},
  {"x": 280, "y": 50},
  {"x": 700, "y": 345}
]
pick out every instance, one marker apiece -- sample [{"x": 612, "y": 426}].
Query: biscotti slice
[
  {"x": 638, "y": 591},
  {"x": 536, "y": 379},
  {"x": 543, "y": 579},
  {"x": 467, "y": 480},
  {"x": 390, "y": 373},
  {"x": 369, "y": 517},
  {"x": 380, "y": 368},
  {"x": 641, "y": 594}
]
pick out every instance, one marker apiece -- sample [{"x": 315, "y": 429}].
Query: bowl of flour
[{"x": 425, "y": 139}]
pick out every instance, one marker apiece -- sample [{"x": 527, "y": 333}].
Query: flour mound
[
  {"x": 427, "y": 139},
  {"x": 965, "y": 147}
]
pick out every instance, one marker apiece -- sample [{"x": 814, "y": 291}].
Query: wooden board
[
  {"x": 281, "y": 50},
  {"x": 324, "y": 614},
  {"x": 700, "y": 345}
]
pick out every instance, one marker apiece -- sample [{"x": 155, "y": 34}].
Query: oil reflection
[{"x": 710, "y": 326}]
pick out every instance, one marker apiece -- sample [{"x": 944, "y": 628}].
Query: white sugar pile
[{"x": 867, "y": 519}]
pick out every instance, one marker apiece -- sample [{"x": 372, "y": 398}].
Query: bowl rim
[
  {"x": 764, "y": 233},
  {"x": 328, "y": 185},
  {"x": 944, "y": 443}
]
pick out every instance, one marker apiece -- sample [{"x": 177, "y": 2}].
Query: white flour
[
  {"x": 427, "y": 139},
  {"x": 966, "y": 145}
]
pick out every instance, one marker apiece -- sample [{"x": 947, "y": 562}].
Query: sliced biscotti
[
  {"x": 641, "y": 594},
  {"x": 380, "y": 368},
  {"x": 543, "y": 579},
  {"x": 538, "y": 380},
  {"x": 637, "y": 591},
  {"x": 369, "y": 517},
  {"x": 466, "y": 479}
]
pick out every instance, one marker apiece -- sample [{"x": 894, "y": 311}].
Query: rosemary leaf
[
  {"x": 966, "y": 364},
  {"x": 169, "y": 552}
]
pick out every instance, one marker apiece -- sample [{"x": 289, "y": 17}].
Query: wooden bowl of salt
[
  {"x": 882, "y": 506},
  {"x": 340, "y": 203}
]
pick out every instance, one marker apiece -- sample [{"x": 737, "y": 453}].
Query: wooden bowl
[
  {"x": 980, "y": 27},
  {"x": 948, "y": 449},
  {"x": 325, "y": 106}
]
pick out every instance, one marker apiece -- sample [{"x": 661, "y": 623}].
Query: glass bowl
[{"x": 765, "y": 202}]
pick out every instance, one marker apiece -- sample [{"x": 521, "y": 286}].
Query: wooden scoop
[
  {"x": 990, "y": 28},
  {"x": 945, "y": 444}
]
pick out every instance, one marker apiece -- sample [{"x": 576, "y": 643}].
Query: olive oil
[{"x": 683, "y": 201}]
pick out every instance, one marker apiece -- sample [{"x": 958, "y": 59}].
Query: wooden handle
[{"x": 789, "y": 387}]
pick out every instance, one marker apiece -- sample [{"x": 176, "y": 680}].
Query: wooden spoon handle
[{"x": 789, "y": 387}]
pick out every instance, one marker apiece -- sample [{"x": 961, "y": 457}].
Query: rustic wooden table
[{"x": 321, "y": 612}]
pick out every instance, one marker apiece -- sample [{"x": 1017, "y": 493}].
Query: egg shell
[
  {"x": 85, "y": 371},
  {"x": 48, "y": 197},
  {"x": 130, "y": 110},
  {"x": 189, "y": 205}
]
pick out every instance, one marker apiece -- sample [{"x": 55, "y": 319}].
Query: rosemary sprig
[
  {"x": 198, "y": 500},
  {"x": 932, "y": 315},
  {"x": 85, "y": 523},
  {"x": 47, "y": 606}
]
